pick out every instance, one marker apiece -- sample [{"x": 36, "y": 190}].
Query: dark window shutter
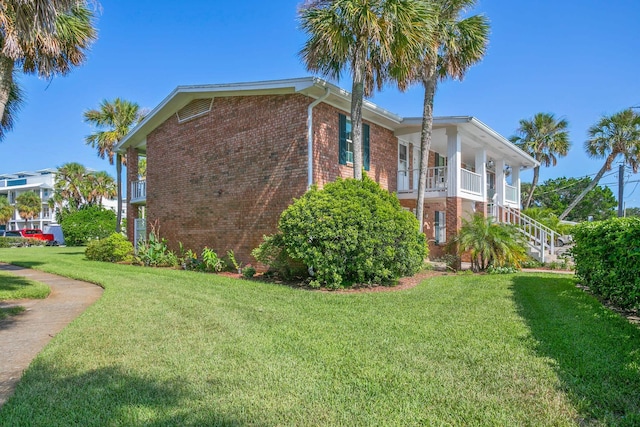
[
  {"x": 365, "y": 146},
  {"x": 342, "y": 153}
]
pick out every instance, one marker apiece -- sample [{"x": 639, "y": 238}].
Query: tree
[
  {"x": 544, "y": 138},
  {"x": 40, "y": 37},
  {"x": 556, "y": 195},
  {"x": 610, "y": 137},
  {"x": 113, "y": 120},
  {"x": 100, "y": 185},
  {"x": 635, "y": 211},
  {"x": 29, "y": 206},
  {"x": 363, "y": 35},
  {"x": 452, "y": 47},
  {"x": 70, "y": 185},
  {"x": 489, "y": 243},
  {"x": 6, "y": 210}
]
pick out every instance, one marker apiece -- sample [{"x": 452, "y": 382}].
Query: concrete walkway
[{"x": 23, "y": 336}]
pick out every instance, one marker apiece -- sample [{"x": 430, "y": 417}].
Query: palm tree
[
  {"x": 29, "y": 206},
  {"x": 489, "y": 243},
  {"x": 101, "y": 185},
  {"x": 6, "y": 210},
  {"x": 71, "y": 185},
  {"x": 114, "y": 119},
  {"x": 453, "y": 46},
  {"x": 611, "y": 137},
  {"x": 544, "y": 138},
  {"x": 43, "y": 38},
  {"x": 364, "y": 36}
]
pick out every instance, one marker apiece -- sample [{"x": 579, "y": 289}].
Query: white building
[{"x": 41, "y": 182}]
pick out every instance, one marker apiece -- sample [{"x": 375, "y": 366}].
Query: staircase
[{"x": 540, "y": 238}]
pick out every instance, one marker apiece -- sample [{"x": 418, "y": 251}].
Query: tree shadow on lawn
[
  {"x": 105, "y": 396},
  {"x": 10, "y": 283},
  {"x": 595, "y": 352}
]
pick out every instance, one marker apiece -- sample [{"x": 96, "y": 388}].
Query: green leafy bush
[
  {"x": 607, "y": 259},
  {"x": 12, "y": 242},
  {"x": 115, "y": 248},
  {"x": 155, "y": 253},
  {"x": 86, "y": 224},
  {"x": 273, "y": 254},
  {"x": 501, "y": 270},
  {"x": 248, "y": 272},
  {"x": 211, "y": 261},
  {"x": 352, "y": 231}
]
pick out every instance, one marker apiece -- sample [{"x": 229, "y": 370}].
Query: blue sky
[{"x": 578, "y": 59}]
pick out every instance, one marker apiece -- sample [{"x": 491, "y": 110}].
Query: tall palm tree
[
  {"x": 43, "y": 38},
  {"x": 612, "y": 136},
  {"x": 101, "y": 185},
  {"x": 70, "y": 185},
  {"x": 544, "y": 138},
  {"x": 113, "y": 120},
  {"x": 29, "y": 206},
  {"x": 361, "y": 35},
  {"x": 6, "y": 210},
  {"x": 453, "y": 45}
]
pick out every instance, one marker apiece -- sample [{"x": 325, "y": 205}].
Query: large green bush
[
  {"x": 350, "y": 232},
  {"x": 115, "y": 248},
  {"x": 86, "y": 224},
  {"x": 607, "y": 258}
]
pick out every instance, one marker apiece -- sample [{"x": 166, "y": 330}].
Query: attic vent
[{"x": 195, "y": 108}]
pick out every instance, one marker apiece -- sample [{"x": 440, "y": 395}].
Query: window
[
  {"x": 345, "y": 155},
  {"x": 440, "y": 227}
]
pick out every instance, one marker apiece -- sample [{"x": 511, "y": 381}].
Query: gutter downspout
[{"x": 327, "y": 91}]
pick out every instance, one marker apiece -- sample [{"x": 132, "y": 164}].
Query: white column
[
  {"x": 500, "y": 181},
  {"x": 515, "y": 181},
  {"x": 454, "y": 162},
  {"x": 481, "y": 169}
]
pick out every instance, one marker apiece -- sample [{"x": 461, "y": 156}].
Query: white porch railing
[
  {"x": 471, "y": 181},
  {"x": 510, "y": 194},
  {"x": 540, "y": 237},
  {"x": 138, "y": 191},
  {"x": 436, "y": 180}
]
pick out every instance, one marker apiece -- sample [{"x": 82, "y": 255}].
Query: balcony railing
[
  {"x": 510, "y": 194},
  {"x": 471, "y": 182},
  {"x": 436, "y": 180},
  {"x": 138, "y": 191}
]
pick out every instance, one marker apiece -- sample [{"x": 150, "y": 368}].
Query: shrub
[
  {"x": 273, "y": 254},
  {"x": 352, "y": 231},
  {"x": 12, "y": 242},
  {"x": 86, "y": 224},
  {"x": 211, "y": 261},
  {"x": 232, "y": 263},
  {"x": 115, "y": 248},
  {"x": 248, "y": 272},
  {"x": 155, "y": 253},
  {"x": 607, "y": 259},
  {"x": 501, "y": 270}
]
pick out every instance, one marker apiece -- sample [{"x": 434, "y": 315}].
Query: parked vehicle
[
  {"x": 564, "y": 240},
  {"x": 10, "y": 233},
  {"x": 35, "y": 233}
]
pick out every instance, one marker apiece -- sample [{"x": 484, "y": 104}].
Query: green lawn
[
  {"x": 16, "y": 288},
  {"x": 164, "y": 347}
]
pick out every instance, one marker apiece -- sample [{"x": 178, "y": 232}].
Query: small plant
[
  {"x": 115, "y": 248},
  {"x": 190, "y": 260},
  {"x": 211, "y": 261},
  {"x": 451, "y": 261},
  {"x": 154, "y": 252},
  {"x": 554, "y": 265},
  {"x": 233, "y": 263},
  {"x": 248, "y": 272},
  {"x": 501, "y": 270},
  {"x": 531, "y": 263}
]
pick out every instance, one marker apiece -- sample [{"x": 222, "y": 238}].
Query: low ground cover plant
[{"x": 351, "y": 231}]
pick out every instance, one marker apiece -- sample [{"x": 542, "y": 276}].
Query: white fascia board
[
  {"x": 27, "y": 186},
  {"x": 505, "y": 142}
]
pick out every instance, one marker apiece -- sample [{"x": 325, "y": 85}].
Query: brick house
[{"x": 224, "y": 161}]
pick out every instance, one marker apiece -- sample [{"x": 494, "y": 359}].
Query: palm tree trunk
[
  {"x": 357, "y": 98},
  {"x": 534, "y": 184},
  {"x": 119, "y": 192},
  {"x": 6, "y": 82},
  {"x": 429, "y": 82},
  {"x": 592, "y": 184}
]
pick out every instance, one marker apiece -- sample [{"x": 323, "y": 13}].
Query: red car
[{"x": 35, "y": 233}]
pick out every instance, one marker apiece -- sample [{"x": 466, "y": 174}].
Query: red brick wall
[
  {"x": 430, "y": 208},
  {"x": 223, "y": 179},
  {"x": 383, "y": 150},
  {"x": 132, "y": 175}
]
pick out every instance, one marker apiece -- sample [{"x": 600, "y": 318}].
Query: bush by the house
[
  {"x": 154, "y": 252},
  {"x": 607, "y": 259},
  {"x": 352, "y": 231},
  {"x": 86, "y": 224},
  {"x": 115, "y": 248},
  {"x": 248, "y": 272},
  {"x": 273, "y": 254},
  {"x": 12, "y": 242}
]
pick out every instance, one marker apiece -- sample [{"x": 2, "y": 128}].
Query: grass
[
  {"x": 164, "y": 347},
  {"x": 15, "y": 288}
]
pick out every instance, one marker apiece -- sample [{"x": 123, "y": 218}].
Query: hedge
[
  {"x": 10, "y": 242},
  {"x": 607, "y": 257}
]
